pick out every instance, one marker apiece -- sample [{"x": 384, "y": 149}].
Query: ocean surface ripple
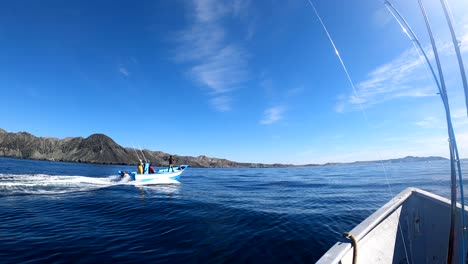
[{"x": 66, "y": 212}]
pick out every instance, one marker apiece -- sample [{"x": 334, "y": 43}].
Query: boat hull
[
  {"x": 411, "y": 228},
  {"x": 161, "y": 176}
]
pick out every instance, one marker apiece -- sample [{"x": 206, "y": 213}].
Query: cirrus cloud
[
  {"x": 273, "y": 115},
  {"x": 218, "y": 64}
]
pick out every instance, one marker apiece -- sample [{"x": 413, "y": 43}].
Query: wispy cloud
[
  {"x": 217, "y": 63},
  {"x": 294, "y": 91},
  {"x": 272, "y": 115},
  {"x": 381, "y": 17},
  {"x": 276, "y": 96},
  {"x": 221, "y": 103},
  {"x": 266, "y": 84},
  {"x": 459, "y": 113},
  {"x": 392, "y": 80},
  {"x": 404, "y": 76},
  {"x": 124, "y": 71},
  {"x": 429, "y": 122},
  {"x": 459, "y": 117},
  {"x": 464, "y": 41},
  {"x": 222, "y": 72}
]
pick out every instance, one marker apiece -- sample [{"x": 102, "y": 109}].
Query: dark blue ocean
[{"x": 54, "y": 212}]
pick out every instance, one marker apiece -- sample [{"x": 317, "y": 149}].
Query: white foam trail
[
  {"x": 152, "y": 190},
  {"x": 52, "y": 184},
  {"x": 56, "y": 184}
]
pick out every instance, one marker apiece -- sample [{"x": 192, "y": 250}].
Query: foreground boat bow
[{"x": 411, "y": 228}]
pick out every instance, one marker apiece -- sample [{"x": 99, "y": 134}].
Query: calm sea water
[{"x": 67, "y": 212}]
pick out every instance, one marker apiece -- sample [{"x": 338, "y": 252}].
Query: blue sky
[{"x": 250, "y": 81}]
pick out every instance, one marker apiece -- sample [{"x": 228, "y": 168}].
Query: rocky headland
[{"x": 100, "y": 149}]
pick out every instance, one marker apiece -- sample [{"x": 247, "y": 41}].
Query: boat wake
[{"x": 11, "y": 184}]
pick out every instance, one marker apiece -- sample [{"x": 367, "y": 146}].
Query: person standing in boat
[
  {"x": 171, "y": 160},
  {"x": 151, "y": 169},
  {"x": 140, "y": 167}
]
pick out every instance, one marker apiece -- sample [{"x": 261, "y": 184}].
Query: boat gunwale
[{"x": 336, "y": 253}]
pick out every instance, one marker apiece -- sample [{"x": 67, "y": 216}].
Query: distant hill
[
  {"x": 101, "y": 149},
  {"x": 400, "y": 160}
]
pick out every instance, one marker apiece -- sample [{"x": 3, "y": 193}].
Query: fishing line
[
  {"x": 454, "y": 156},
  {"x": 341, "y": 60},
  {"x": 350, "y": 81},
  {"x": 443, "y": 93},
  {"x": 457, "y": 51},
  {"x": 364, "y": 114},
  {"x": 465, "y": 87},
  {"x": 412, "y": 36},
  {"x": 450, "y": 12},
  {"x": 143, "y": 154},
  {"x": 414, "y": 40},
  {"x": 136, "y": 152},
  {"x": 442, "y": 90}
]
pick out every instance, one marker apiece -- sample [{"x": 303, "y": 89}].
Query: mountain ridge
[{"x": 101, "y": 149}]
